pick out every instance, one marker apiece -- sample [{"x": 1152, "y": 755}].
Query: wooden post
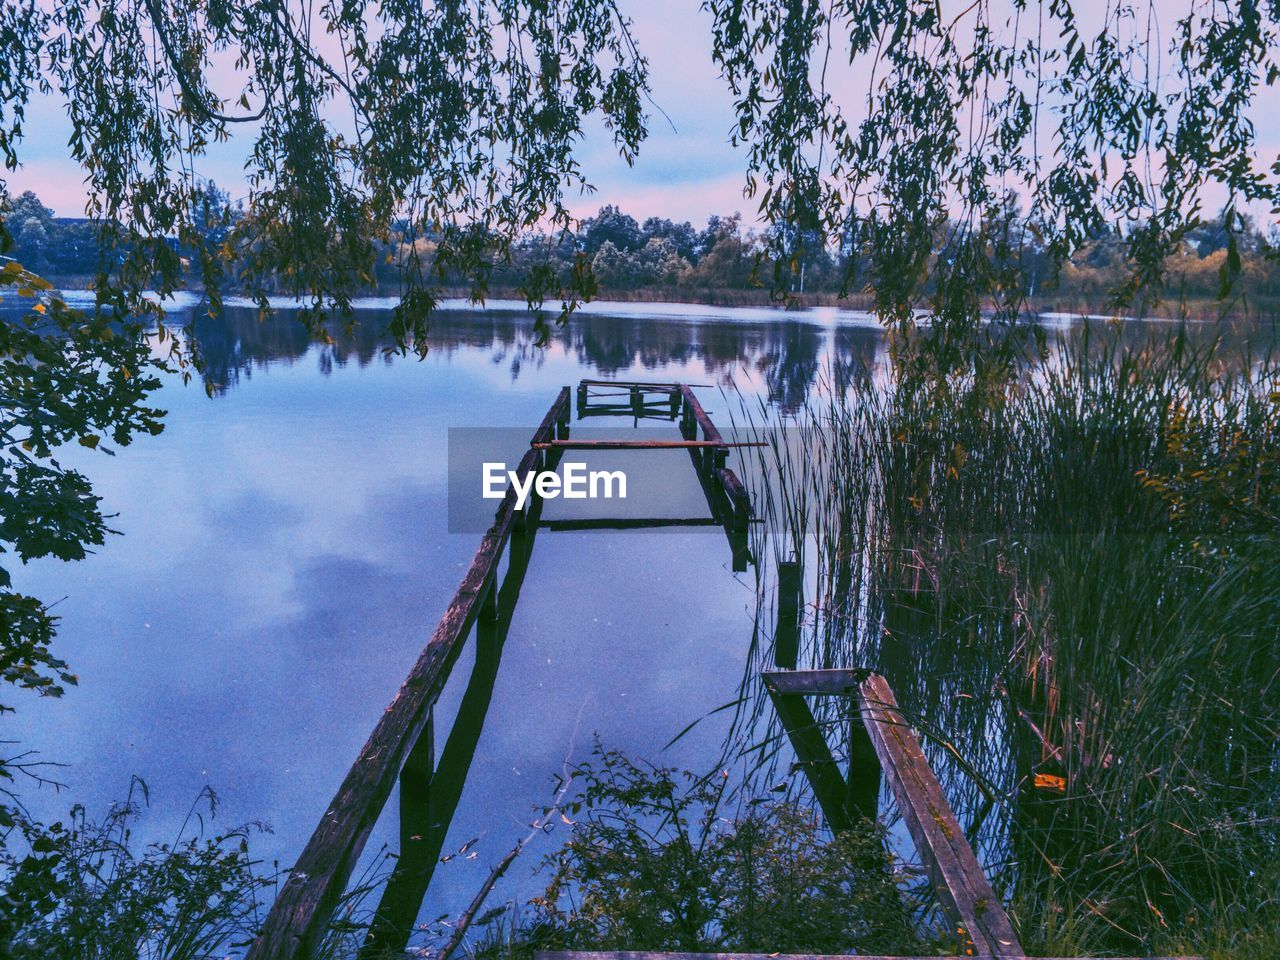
[
  {"x": 786, "y": 635},
  {"x": 415, "y": 785},
  {"x": 864, "y": 768},
  {"x": 415, "y": 830},
  {"x": 489, "y": 598},
  {"x": 562, "y": 423}
]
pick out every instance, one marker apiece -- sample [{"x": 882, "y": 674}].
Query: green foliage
[
  {"x": 656, "y": 861},
  {"x": 1221, "y": 464},
  {"x": 896, "y": 129},
  {"x": 464, "y": 119},
  {"x": 1068, "y": 577},
  {"x": 64, "y": 376},
  {"x": 82, "y": 889}
]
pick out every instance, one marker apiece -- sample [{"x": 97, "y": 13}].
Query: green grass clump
[
  {"x": 659, "y": 859},
  {"x": 85, "y": 889}
]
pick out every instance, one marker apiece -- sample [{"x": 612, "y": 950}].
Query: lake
[{"x": 285, "y": 554}]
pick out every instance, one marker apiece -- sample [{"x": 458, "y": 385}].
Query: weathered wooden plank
[
  {"x": 649, "y": 955},
  {"x": 302, "y": 910},
  {"x": 735, "y": 491},
  {"x": 739, "y": 500},
  {"x": 735, "y": 531},
  {"x": 815, "y": 682},
  {"x": 631, "y": 383},
  {"x": 637, "y": 444},
  {"x": 627, "y": 523},
  {"x": 653, "y": 955},
  {"x": 694, "y": 406},
  {"x": 957, "y": 876}
]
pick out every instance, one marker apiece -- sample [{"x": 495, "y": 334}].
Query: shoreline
[{"x": 506, "y": 300}]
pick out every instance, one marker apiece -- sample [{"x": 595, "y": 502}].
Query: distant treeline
[{"x": 724, "y": 261}]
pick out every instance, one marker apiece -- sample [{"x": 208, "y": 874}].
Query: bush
[
  {"x": 83, "y": 890},
  {"x": 656, "y": 861}
]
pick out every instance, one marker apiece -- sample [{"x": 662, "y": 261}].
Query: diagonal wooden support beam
[
  {"x": 843, "y": 800},
  {"x": 427, "y": 813},
  {"x": 653, "y": 955},
  {"x": 957, "y": 877},
  {"x": 815, "y": 760}
]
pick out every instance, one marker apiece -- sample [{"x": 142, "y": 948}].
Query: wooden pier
[
  {"x": 401, "y": 747},
  {"x": 882, "y": 748}
]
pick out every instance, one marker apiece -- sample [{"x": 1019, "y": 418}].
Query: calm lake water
[{"x": 285, "y": 554}]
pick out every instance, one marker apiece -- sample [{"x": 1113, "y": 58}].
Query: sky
[{"x": 686, "y": 170}]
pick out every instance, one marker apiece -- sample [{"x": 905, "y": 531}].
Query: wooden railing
[{"x": 400, "y": 746}]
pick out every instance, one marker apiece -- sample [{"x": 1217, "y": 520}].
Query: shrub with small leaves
[{"x": 658, "y": 860}]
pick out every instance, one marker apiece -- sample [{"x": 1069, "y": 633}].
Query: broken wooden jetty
[{"x": 401, "y": 749}]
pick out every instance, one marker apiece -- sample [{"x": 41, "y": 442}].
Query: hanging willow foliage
[
  {"x": 910, "y": 131},
  {"x": 455, "y": 120}
]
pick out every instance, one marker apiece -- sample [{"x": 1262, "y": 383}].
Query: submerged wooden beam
[
  {"x": 302, "y": 911},
  {"x": 957, "y": 877},
  {"x": 814, "y": 758},
  {"x": 815, "y": 682}
]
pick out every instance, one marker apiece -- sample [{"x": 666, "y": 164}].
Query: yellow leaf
[{"x": 1047, "y": 781}]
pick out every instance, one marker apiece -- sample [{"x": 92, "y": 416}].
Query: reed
[{"x": 1066, "y": 570}]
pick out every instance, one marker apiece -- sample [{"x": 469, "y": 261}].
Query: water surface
[{"x": 285, "y": 555}]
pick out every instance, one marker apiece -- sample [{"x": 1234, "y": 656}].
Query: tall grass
[
  {"x": 87, "y": 889},
  {"x": 1069, "y": 575}
]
